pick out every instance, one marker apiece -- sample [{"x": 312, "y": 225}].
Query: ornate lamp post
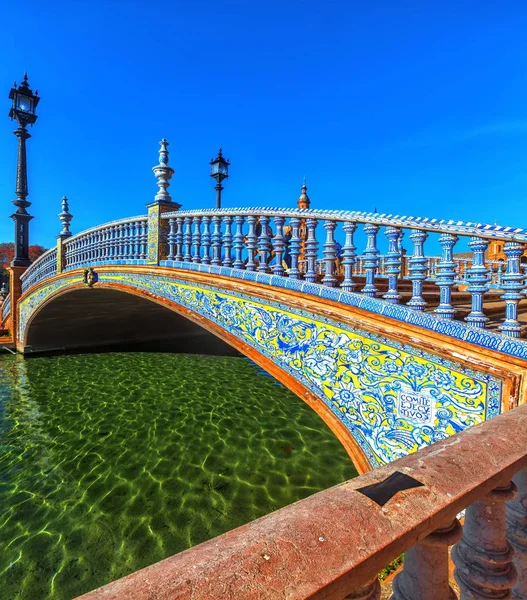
[
  {"x": 219, "y": 170},
  {"x": 23, "y": 111}
]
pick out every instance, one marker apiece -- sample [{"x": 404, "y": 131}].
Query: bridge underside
[{"x": 99, "y": 318}]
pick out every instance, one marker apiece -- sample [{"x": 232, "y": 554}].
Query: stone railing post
[
  {"x": 65, "y": 218},
  {"x": 517, "y": 533},
  {"x": 157, "y": 244},
  {"x": 483, "y": 557},
  {"x": 425, "y": 572}
]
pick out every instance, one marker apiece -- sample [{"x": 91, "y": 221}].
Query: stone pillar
[
  {"x": 425, "y": 572},
  {"x": 157, "y": 245},
  {"x": 65, "y": 218},
  {"x": 517, "y": 533},
  {"x": 483, "y": 557}
]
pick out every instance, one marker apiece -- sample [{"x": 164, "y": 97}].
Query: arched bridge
[{"x": 394, "y": 347}]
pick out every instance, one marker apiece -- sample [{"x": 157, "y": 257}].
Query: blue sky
[{"x": 410, "y": 107}]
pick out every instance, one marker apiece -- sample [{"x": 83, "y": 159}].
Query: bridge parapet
[
  {"x": 285, "y": 242},
  {"x": 254, "y": 243},
  {"x": 117, "y": 242},
  {"x": 44, "y": 267},
  {"x": 333, "y": 544}
]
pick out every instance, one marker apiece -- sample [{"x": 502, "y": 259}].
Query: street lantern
[
  {"x": 23, "y": 111},
  {"x": 24, "y": 103},
  {"x": 219, "y": 170}
]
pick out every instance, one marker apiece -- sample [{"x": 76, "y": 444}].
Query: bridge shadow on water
[{"x": 101, "y": 320}]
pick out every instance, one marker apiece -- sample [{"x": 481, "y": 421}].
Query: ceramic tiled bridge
[{"x": 373, "y": 342}]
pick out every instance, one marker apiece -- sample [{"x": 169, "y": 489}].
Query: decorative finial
[
  {"x": 220, "y": 151},
  {"x": 374, "y": 210},
  {"x": 3, "y": 292},
  {"x": 163, "y": 173},
  {"x": 304, "y": 201},
  {"x": 25, "y": 84},
  {"x": 65, "y": 218}
]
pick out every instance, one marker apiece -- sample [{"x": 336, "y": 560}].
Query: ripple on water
[{"x": 110, "y": 462}]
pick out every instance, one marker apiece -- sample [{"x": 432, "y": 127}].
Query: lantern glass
[
  {"x": 24, "y": 103},
  {"x": 222, "y": 168}
]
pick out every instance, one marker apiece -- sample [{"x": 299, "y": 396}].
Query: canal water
[{"x": 110, "y": 462}]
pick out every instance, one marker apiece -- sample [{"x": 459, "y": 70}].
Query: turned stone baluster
[
  {"x": 477, "y": 277},
  {"x": 513, "y": 285},
  {"x": 418, "y": 270},
  {"x": 295, "y": 243},
  {"x": 264, "y": 245},
  {"x": 102, "y": 244},
  {"x": 483, "y": 557},
  {"x": 446, "y": 276},
  {"x": 311, "y": 251},
  {"x": 179, "y": 238},
  {"x": 120, "y": 241},
  {"x": 171, "y": 238},
  {"x": 425, "y": 572},
  {"x": 216, "y": 240},
  {"x": 125, "y": 241},
  {"x": 252, "y": 244},
  {"x": 133, "y": 232},
  {"x": 516, "y": 514},
  {"x": 138, "y": 240},
  {"x": 370, "y": 259},
  {"x": 95, "y": 253},
  {"x": 128, "y": 240},
  {"x": 187, "y": 240},
  {"x": 114, "y": 248},
  {"x": 205, "y": 241},
  {"x": 348, "y": 256},
  {"x": 393, "y": 264},
  {"x": 196, "y": 240},
  {"x": 144, "y": 239},
  {"x": 227, "y": 242},
  {"x": 137, "y": 253},
  {"x": 279, "y": 246},
  {"x": 238, "y": 242},
  {"x": 330, "y": 254},
  {"x": 108, "y": 251}
]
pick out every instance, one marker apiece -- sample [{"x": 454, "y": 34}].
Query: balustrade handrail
[
  {"x": 104, "y": 226},
  {"x": 482, "y": 230},
  {"x": 334, "y": 543},
  {"x": 36, "y": 262}
]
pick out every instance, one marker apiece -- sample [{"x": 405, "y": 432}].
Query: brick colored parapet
[{"x": 335, "y": 542}]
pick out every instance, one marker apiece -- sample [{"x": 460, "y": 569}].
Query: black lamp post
[
  {"x": 23, "y": 111},
  {"x": 219, "y": 170}
]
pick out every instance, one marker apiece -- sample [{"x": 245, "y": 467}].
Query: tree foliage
[{"x": 7, "y": 253}]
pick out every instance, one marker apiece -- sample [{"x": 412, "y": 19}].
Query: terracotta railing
[{"x": 333, "y": 544}]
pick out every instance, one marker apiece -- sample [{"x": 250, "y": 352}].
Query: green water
[{"x": 110, "y": 462}]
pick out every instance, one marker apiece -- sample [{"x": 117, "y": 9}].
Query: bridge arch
[
  {"x": 52, "y": 307},
  {"x": 382, "y": 390}
]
